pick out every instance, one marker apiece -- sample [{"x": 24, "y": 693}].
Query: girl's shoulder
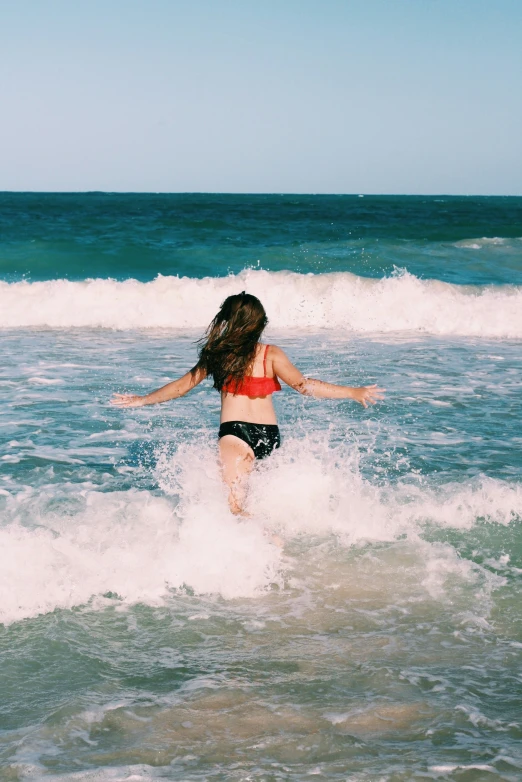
[
  {"x": 268, "y": 346},
  {"x": 272, "y": 350},
  {"x": 268, "y": 351}
]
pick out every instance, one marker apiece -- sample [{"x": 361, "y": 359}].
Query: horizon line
[{"x": 258, "y": 193}]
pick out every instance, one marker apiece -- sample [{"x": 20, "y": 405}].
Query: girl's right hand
[{"x": 127, "y": 400}]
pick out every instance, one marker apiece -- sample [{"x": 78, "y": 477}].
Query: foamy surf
[
  {"x": 400, "y": 303},
  {"x": 61, "y": 550},
  {"x": 130, "y": 546}
]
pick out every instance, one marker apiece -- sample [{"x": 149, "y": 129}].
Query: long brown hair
[{"x": 228, "y": 349}]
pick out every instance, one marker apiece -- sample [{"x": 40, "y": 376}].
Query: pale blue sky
[{"x": 303, "y": 96}]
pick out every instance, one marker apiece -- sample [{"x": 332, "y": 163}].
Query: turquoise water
[
  {"x": 77, "y": 236},
  {"x": 146, "y": 634}
]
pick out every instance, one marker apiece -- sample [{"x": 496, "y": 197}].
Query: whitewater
[{"x": 398, "y": 303}]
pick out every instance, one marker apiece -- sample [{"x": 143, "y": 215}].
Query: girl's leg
[{"x": 237, "y": 460}]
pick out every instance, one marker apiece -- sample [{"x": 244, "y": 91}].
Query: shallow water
[{"x": 147, "y": 634}]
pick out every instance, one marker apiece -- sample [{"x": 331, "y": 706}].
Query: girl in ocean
[{"x": 247, "y": 373}]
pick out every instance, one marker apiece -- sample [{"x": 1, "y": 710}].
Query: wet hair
[{"x": 228, "y": 349}]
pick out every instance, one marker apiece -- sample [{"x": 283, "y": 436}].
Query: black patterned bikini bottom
[{"x": 262, "y": 438}]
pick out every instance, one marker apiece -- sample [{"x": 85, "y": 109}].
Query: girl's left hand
[
  {"x": 368, "y": 395},
  {"x": 127, "y": 400}
]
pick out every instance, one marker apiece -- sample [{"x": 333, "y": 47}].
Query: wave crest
[{"x": 400, "y": 303}]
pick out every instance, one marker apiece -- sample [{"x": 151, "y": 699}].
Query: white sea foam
[
  {"x": 491, "y": 242},
  {"x": 129, "y": 544},
  {"x": 45, "y": 381},
  {"x": 61, "y": 550},
  {"x": 299, "y": 301}
]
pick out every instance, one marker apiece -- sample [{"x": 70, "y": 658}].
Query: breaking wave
[{"x": 400, "y": 303}]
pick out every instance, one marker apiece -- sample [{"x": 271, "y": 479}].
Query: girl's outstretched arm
[
  {"x": 284, "y": 369},
  {"x": 171, "y": 391}
]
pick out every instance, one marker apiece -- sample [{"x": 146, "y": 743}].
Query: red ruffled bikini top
[{"x": 254, "y": 386}]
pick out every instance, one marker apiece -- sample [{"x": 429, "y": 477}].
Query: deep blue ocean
[{"x": 147, "y": 634}]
